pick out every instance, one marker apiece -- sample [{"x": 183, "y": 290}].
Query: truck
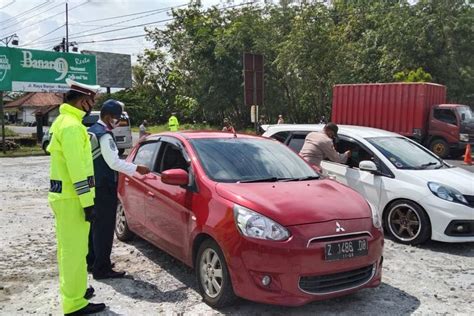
[{"x": 416, "y": 110}]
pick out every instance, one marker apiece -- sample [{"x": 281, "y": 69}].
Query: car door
[
  {"x": 168, "y": 207},
  {"x": 134, "y": 188},
  {"x": 366, "y": 183}
]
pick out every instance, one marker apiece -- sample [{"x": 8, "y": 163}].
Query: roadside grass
[
  {"x": 195, "y": 127},
  {"x": 23, "y": 151},
  {"x": 8, "y": 132}
]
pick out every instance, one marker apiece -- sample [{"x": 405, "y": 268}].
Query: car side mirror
[
  {"x": 175, "y": 177},
  {"x": 369, "y": 166}
]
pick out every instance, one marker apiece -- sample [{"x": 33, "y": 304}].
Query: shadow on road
[
  {"x": 384, "y": 299},
  {"x": 457, "y": 249}
]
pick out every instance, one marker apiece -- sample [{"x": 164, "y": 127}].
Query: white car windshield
[{"x": 405, "y": 154}]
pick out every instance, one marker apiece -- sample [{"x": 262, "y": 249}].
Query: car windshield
[
  {"x": 250, "y": 160},
  {"x": 465, "y": 113},
  {"x": 405, "y": 154}
]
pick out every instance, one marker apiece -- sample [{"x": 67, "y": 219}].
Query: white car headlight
[
  {"x": 376, "y": 219},
  {"x": 254, "y": 225},
  {"x": 447, "y": 193},
  {"x": 464, "y": 137}
]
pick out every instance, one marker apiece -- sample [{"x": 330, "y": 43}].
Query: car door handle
[
  {"x": 127, "y": 180},
  {"x": 150, "y": 195}
]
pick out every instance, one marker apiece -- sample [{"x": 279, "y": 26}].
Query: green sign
[{"x": 29, "y": 70}]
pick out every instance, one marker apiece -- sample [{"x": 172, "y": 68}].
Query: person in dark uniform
[{"x": 106, "y": 165}]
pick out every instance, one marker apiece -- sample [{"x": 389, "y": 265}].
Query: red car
[{"x": 252, "y": 218}]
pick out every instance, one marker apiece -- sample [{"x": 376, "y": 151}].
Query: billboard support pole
[{"x": 2, "y": 115}]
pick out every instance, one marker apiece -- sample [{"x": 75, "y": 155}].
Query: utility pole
[{"x": 67, "y": 30}]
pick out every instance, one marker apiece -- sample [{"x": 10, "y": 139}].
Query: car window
[
  {"x": 358, "y": 153},
  {"x": 243, "y": 159},
  {"x": 170, "y": 157},
  {"x": 90, "y": 119},
  {"x": 445, "y": 115},
  {"x": 145, "y": 154},
  {"x": 297, "y": 141},
  {"x": 281, "y": 136},
  {"x": 404, "y": 153}
]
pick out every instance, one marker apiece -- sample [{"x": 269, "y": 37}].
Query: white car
[{"x": 418, "y": 195}]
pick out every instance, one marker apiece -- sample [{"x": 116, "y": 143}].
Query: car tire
[
  {"x": 407, "y": 222},
  {"x": 121, "y": 151},
  {"x": 213, "y": 276},
  {"x": 45, "y": 145},
  {"x": 440, "y": 147},
  {"x": 122, "y": 231}
]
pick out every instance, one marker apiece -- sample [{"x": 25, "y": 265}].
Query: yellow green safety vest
[
  {"x": 72, "y": 169},
  {"x": 173, "y": 123}
]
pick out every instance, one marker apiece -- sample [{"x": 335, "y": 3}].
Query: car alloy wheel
[
  {"x": 121, "y": 227},
  {"x": 212, "y": 275},
  {"x": 407, "y": 222}
]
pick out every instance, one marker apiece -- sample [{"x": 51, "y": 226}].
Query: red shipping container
[{"x": 402, "y": 108}]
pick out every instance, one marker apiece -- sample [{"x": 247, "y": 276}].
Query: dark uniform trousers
[{"x": 101, "y": 235}]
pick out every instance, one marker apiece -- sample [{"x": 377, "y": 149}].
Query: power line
[
  {"x": 156, "y": 11},
  {"x": 49, "y": 17},
  {"x": 8, "y": 4},
  {"x": 137, "y": 13},
  {"x": 113, "y": 39},
  {"x": 27, "y": 11},
  {"x": 33, "y": 16},
  {"x": 46, "y": 34}
]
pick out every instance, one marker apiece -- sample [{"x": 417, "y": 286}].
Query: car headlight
[
  {"x": 464, "y": 137},
  {"x": 376, "y": 219},
  {"x": 447, "y": 193},
  {"x": 254, "y": 225}
]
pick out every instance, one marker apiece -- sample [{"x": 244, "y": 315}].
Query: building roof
[{"x": 36, "y": 99}]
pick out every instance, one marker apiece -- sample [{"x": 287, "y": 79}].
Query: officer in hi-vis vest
[
  {"x": 106, "y": 165},
  {"x": 71, "y": 196}
]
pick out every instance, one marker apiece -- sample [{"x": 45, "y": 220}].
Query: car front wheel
[
  {"x": 407, "y": 222},
  {"x": 212, "y": 276},
  {"x": 121, "y": 227}
]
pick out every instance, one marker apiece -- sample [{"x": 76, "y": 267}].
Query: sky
[{"x": 40, "y": 24}]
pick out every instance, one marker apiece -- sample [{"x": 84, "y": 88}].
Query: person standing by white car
[{"x": 319, "y": 145}]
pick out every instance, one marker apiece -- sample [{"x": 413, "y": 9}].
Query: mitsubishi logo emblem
[{"x": 339, "y": 228}]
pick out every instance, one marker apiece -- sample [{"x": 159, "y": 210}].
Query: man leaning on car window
[{"x": 319, "y": 145}]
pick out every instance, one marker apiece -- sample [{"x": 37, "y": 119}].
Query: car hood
[
  {"x": 296, "y": 203},
  {"x": 457, "y": 178}
]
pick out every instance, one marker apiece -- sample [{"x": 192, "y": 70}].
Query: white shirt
[{"x": 109, "y": 151}]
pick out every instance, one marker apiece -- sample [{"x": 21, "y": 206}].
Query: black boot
[
  {"x": 91, "y": 308},
  {"x": 89, "y": 293}
]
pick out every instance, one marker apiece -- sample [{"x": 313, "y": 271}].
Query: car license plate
[
  {"x": 120, "y": 139},
  {"x": 346, "y": 249}
]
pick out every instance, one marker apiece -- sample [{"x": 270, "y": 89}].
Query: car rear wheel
[
  {"x": 121, "y": 227},
  {"x": 121, "y": 151},
  {"x": 212, "y": 276},
  {"x": 407, "y": 222}
]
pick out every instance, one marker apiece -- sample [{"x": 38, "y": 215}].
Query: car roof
[
  {"x": 202, "y": 134},
  {"x": 361, "y": 131}
]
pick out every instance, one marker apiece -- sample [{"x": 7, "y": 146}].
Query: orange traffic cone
[{"x": 467, "y": 155}]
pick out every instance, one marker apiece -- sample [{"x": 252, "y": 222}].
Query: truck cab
[{"x": 451, "y": 128}]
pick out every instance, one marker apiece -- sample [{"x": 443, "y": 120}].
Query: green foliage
[
  {"x": 419, "y": 75},
  {"x": 196, "y": 66}
]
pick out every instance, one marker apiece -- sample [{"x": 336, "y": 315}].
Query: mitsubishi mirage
[
  {"x": 419, "y": 195},
  {"x": 251, "y": 217}
]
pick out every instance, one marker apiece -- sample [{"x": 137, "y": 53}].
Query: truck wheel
[
  {"x": 440, "y": 148},
  {"x": 407, "y": 222}
]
